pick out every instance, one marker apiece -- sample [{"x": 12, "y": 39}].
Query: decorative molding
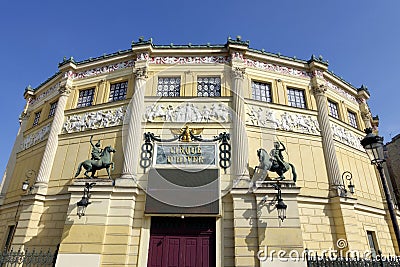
[
  {"x": 319, "y": 89},
  {"x": 238, "y": 73},
  {"x": 141, "y": 73},
  {"x": 190, "y": 60},
  {"x": 94, "y": 120},
  {"x": 142, "y": 56},
  {"x": 188, "y": 112},
  {"x": 277, "y": 68},
  {"x": 237, "y": 56},
  {"x": 341, "y": 91},
  {"x": 46, "y": 94},
  {"x": 347, "y": 137},
  {"x": 36, "y": 137},
  {"x": 100, "y": 70},
  {"x": 286, "y": 121}
]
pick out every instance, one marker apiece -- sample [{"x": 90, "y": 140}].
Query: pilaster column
[
  {"x": 239, "y": 137},
  {"x": 133, "y": 134},
  {"x": 52, "y": 141},
  {"x": 331, "y": 162},
  {"x": 13, "y": 157}
]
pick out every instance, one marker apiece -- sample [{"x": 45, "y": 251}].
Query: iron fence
[
  {"x": 29, "y": 258},
  {"x": 332, "y": 261}
]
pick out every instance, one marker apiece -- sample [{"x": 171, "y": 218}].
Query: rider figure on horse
[
  {"x": 276, "y": 155},
  {"x": 96, "y": 150}
]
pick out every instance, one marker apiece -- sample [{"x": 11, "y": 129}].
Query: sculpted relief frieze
[
  {"x": 346, "y": 136},
  {"x": 35, "y": 137},
  {"x": 100, "y": 70},
  {"x": 188, "y": 112},
  {"x": 46, "y": 94},
  {"x": 282, "y": 120},
  {"x": 94, "y": 120}
]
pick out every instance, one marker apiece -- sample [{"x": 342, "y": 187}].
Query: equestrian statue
[
  {"x": 100, "y": 159},
  {"x": 274, "y": 161}
]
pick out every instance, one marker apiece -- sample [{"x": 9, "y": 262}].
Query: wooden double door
[{"x": 176, "y": 242}]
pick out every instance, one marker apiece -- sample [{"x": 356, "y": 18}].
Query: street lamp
[
  {"x": 84, "y": 202},
  {"x": 280, "y": 205},
  {"x": 373, "y": 145},
  {"x": 348, "y": 176}
]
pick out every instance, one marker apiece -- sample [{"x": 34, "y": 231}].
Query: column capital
[
  {"x": 319, "y": 89},
  {"x": 238, "y": 72},
  {"x": 65, "y": 87},
  {"x": 141, "y": 73}
]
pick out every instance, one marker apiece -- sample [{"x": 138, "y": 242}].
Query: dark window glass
[
  {"x": 10, "y": 235},
  {"x": 209, "y": 86},
  {"x": 85, "y": 98},
  {"x": 169, "y": 86},
  {"x": 372, "y": 242},
  {"x": 118, "y": 91}
]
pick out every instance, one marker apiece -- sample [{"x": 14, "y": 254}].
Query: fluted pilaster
[
  {"x": 331, "y": 161},
  {"x": 133, "y": 134},
  {"x": 52, "y": 141},
  {"x": 239, "y": 137}
]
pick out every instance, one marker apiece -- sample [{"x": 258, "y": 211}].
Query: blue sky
[{"x": 360, "y": 39}]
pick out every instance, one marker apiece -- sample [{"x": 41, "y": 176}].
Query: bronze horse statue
[
  {"x": 94, "y": 165},
  {"x": 268, "y": 163}
]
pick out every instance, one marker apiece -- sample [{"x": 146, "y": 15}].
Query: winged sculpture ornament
[{"x": 186, "y": 132}]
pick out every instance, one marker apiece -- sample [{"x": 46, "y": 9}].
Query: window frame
[
  {"x": 371, "y": 238},
  {"x": 111, "y": 98},
  {"x": 36, "y": 118},
  {"x": 350, "y": 120},
  {"x": 268, "y": 94},
  {"x": 52, "y": 111},
  {"x": 217, "y": 92},
  {"x": 336, "y": 105},
  {"x": 79, "y": 104},
  {"x": 178, "y": 91},
  {"x": 288, "y": 89}
]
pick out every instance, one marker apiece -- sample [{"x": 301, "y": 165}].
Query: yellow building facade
[{"x": 200, "y": 91}]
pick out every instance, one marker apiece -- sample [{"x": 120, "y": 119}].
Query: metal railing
[
  {"x": 333, "y": 261},
  {"x": 31, "y": 258}
]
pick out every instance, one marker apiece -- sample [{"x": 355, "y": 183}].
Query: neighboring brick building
[{"x": 211, "y": 207}]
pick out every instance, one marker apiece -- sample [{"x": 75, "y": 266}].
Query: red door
[{"x": 176, "y": 242}]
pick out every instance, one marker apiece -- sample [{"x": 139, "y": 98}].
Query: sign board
[{"x": 185, "y": 154}]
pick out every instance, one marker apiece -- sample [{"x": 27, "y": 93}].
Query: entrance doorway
[{"x": 177, "y": 242}]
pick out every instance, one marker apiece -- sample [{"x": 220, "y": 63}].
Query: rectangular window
[
  {"x": 333, "y": 109},
  {"x": 85, "y": 98},
  {"x": 53, "y": 107},
  {"x": 261, "y": 91},
  {"x": 169, "y": 86},
  {"x": 296, "y": 98},
  {"x": 10, "y": 235},
  {"x": 37, "y": 118},
  {"x": 118, "y": 91},
  {"x": 208, "y": 86},
  {"x": 352, "y": 119},
  {"x": 372, "y": 242}
]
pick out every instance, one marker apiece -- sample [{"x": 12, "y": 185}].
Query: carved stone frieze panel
[
  {"x": 346, "y": 136},
  {"x": 188, "y": 112},
  {"x": 100, "y": 70},
  {"x": 282, "y": 120},
  {"x": 190, "y": 60},
  {"x": 94, "y": 120},
  {"x": 52, "y": 91},
  {"x": 36, "y": 137}
]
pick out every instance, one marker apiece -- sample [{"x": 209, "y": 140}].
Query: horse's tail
[
  {"x": 293, "y": 172},
  {"x": 79, "y": 169}
]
